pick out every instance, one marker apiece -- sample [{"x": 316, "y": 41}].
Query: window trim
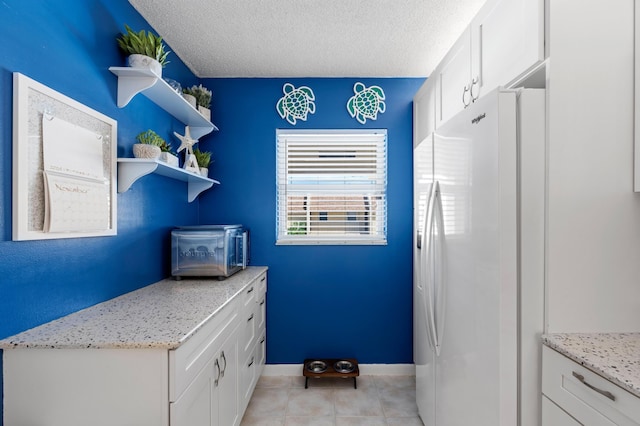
[{"x": 378, "y": 136}]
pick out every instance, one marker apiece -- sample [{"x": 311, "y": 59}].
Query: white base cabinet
[
  {"x": 252, "y": 340},
  {"x": 554, "y": 415},
  {"x": 204, "y": 382},
  {"x": 584, "y": 397}
]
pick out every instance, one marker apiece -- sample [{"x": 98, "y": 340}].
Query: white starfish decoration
[{"x": 187, "y": 142}]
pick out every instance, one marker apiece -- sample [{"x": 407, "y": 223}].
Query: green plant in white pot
[
  {"x": 204, "y": 159},
  {"x": 203, "y": 99},
  {"x": 144, "y": 50},
  {"x": 149, "y": 145}
]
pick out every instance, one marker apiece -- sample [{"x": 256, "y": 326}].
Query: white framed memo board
[{"x": 64, "y": 166}]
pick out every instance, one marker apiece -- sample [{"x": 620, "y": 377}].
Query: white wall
[{"x": 593, "y": 241}]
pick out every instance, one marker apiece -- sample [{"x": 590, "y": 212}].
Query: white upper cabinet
[
  {"x": 424, "y": 113},
  {"x": 453, "y": 79},
  {"x": 507, "y": 39},
  {"x": 504, "y": 41}
]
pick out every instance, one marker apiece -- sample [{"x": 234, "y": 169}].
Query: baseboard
[{"x": 365, "y": 369}]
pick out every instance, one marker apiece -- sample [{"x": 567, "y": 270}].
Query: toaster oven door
[{"x": 200, "y": 253}]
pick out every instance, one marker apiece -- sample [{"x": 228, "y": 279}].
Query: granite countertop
[
  {"x": 161, "y": 315},
  {"x": 614, "y": 356}
]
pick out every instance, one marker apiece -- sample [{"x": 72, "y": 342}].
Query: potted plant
[
  {"x": 167, "y": 155},
  {"x": 204, "y": 159},
  {"x": 203, "y": 99},
  {"x": 149, "y": 145},
  {"x": 144, "y": 50}
]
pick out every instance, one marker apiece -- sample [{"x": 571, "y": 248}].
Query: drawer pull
[
  {"x": 250, "y": 318},
  {"x": 250, "y": 363},
  {"x": 250, "y": 290},
  {"x": 262, "y": 340},
  {"x": 262, "y": 303},
  {"x": 224, "y": 358},
  {"x": 590, "y": 386},
  {"x": 263, "y": 278},
  {"x": 217, "y": 365}
]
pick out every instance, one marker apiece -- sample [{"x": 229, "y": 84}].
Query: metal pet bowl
[
  {"x": 344, "y": 366},
  {"x": 316, "y": 366}
]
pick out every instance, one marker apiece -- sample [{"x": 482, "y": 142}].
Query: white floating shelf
[
  {"x": 132, "y": 169},
  {"x": 132, "y": 81}
]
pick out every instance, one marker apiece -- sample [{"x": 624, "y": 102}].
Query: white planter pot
[
  {"x": 144, "y": 61},
  {"x": 169, "y": 158},
  {"x": 204, "y": 171},
  {"x": 143, "y": 150},
  {"x": 205, "y": 112},
  {"x": 191, "y": 99}
]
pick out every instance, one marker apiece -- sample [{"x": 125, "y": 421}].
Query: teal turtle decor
[
  {"x": 296, "y": 103},
  {"x": 366, "y": 102}
]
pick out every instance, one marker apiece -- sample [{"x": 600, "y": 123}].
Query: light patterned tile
[
  {"x": 310, "y": 402},
  {"x": 357, "y": 402},
  {"x": 248, "y": 420},
  {"x": 268, "y": 403},
  {"x": 361, "y": 421},
  {"x": 310, "y": 421},
  {"x": 400, "y": 402},
  {"x": 281, "y": 382},
  {"x": 404, "y": 421},
  {"x": 385, "y": 382}
]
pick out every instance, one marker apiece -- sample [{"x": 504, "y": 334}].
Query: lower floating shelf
[{"x": 132, "y": 169}]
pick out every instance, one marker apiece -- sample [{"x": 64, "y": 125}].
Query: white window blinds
[{"x": 331, "y": 186}]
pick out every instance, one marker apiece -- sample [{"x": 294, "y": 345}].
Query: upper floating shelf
[{"x": 132, "y": 81}]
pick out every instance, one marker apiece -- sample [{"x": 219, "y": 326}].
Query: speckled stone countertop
[
  {"x": 614, "y": 356},
  {"x": 161, "y": 315}
]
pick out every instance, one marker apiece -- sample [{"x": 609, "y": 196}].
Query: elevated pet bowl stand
[{"x": 330, "y": 370}]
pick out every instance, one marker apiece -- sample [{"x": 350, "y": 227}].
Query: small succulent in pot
[
  {"x": 202, "y": 94},
  {"x": 202, "y": 157},
  {"x": 150, "y": 145},
  {"x": 151, "y": 138},
  {"x": 143, "y": 43}
]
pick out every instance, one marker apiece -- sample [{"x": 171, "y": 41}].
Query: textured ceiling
[{"x": 309, "y": 38}]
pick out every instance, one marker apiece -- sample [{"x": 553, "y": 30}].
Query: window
[{"x": 331, "y": 186}]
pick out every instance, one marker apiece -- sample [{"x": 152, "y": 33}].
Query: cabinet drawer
[
  {"x": 186, "y": 362},
  {"x": 571, "y": 386},
  {"x": 253, "y": 317},
  {"x": 552, "y": 415}
]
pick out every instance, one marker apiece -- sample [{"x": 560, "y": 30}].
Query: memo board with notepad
[{"x": 64, "y": 166}]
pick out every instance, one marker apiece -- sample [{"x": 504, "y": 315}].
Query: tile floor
[{"x": 379, "y": 400}]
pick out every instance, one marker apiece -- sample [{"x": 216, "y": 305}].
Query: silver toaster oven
[{"x": 209, "y": 250}]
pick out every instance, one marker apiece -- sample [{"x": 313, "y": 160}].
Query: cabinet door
[
  {"x": 507, "y": 39},
  {"x": 552, "y": 415},
  {"x": 424, "y": 111},
  {"x": 195, "y": 405},
  {"x": 453, "y": 79},
  {"x": 226, "y": 393}
]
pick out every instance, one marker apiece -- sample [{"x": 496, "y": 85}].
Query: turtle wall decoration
[
  {"x": 366, "y": 102},
  {"x": 296, "y": 103}
]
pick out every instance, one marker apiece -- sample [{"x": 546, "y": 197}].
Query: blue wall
[
  {"x": 326, "y": 301},
  {"x": 68, "y": 46}
]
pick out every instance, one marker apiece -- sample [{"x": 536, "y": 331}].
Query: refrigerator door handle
[
  {"x": 439, "y": 281},
  {"x": 428, "y": 271}
]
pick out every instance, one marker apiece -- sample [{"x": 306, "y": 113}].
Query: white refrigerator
[{"x": 479, "y": 195}]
